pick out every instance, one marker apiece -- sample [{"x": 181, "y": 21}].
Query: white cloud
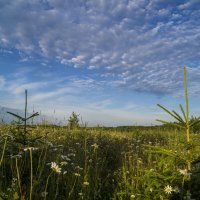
[
  {"x": 21, "y": 87},
  {"x": 149, "y": 39},
  {"x": 2, "y": 82}
]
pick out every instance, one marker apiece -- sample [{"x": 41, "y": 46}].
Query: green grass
[
  {"x": 95, "y": 164},
  {"x": 124, "y": 163}
]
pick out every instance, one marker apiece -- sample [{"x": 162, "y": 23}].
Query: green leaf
[
  {"x": 33, "y": 115},
  {"x": 170, "y": 123},
  {"x": 180, "y": 118},
  {"x": 169, "y": 112},
  {"x": 160, "y": 150},
  {"x": 182, "y": 110},
  {"x": 19, "y": 117},
  {"x": 195, "y": 122}
]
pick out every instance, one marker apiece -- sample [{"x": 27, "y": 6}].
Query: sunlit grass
[
  {"x": 93, "y": 164},
  {"x": 124, "y": 163}
]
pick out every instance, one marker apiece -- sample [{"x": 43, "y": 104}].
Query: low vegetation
[{"x": 76, "y": 162}]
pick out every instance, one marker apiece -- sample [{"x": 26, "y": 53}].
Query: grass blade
[{"x": 183, "y": 112}]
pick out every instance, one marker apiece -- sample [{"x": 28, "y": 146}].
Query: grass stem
[{"x": 4, "y": 147}]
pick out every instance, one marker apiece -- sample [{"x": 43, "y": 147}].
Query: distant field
[{"x": 96, "y": 163}]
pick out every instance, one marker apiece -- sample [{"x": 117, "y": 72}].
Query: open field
[
  {"x": 97, "y": 163},
  {"x": 110, "y": 110}
]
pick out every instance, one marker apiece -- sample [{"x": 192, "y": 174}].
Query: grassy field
[{"x": 98, "y": 163}]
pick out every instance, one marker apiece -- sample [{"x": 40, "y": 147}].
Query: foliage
[
  {"x": 184, "y": 159},
  {"x": 121, "y": 163},
  {"x": 115, "y": 164},
  {"x": 73, "y": 121},
  {"x": 196, "y": 127},
  {"x": 19, "y": 129}
]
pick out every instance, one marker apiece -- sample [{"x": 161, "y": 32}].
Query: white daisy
[
  {"x": 55, "y": 167},
  {"x": 168, "y": 189}
]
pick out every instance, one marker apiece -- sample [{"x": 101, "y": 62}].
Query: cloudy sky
[{"x": 111, "y": 61}]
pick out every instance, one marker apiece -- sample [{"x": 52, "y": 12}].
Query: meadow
[
  {"x": 75, "y": 162},
  {"x": 97, "y": 163}
]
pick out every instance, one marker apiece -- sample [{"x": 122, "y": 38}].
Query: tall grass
[{"x": 48, "y": 162}]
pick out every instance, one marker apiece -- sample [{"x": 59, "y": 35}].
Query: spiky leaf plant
[
  {"x": 20, "y": 134},
  {"x": 182, "y": 121}
]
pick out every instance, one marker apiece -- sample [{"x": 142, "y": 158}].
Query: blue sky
[{"x": 111, "y": 61}]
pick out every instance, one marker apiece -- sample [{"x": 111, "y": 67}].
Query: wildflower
[
  {"x": 55, "y": 167},
  {"x": 79, "y": 168},
  {"x": 71, "y": 154},
  {"x": 50, "y": 144},
  {"x": 14, "y": 180},
  {"x": 63, "y": 163},
  {"x": 132, "y": 196},
  {"x": 85, "y": 183},
  {"x": 16, "y": 156},
  {"x": 65, "y": 172},
  {"x": 65, "y": 158},
  {"x": 80, "y": 194},
  {"x": 168, "y": 189},
  {"x": 31, "y": 148},
  {"x": 176, "y": 190},
  {"x": 151, "y": 189},
  {"x": 77, "y": 174},
  {"x": 139, "y": 160},
  {"x": 95, "y": 146},
  {"x": 44, "y": 194},
  {"x": 183, "y": 171}
]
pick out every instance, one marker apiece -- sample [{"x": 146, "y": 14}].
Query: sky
[{"x": 109, "y": 61}]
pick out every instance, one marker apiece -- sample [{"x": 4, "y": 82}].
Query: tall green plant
[
  {"x": 73, "y": 121},
  {"x": 21, "y": 136},
  {"x": 186, "y": 124},
  {"x": 184, "y": 121}
]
